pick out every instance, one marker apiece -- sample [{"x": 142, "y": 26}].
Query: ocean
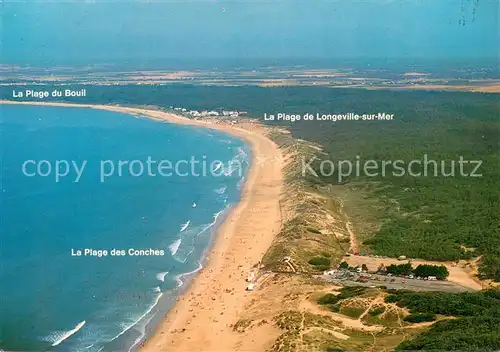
[{"x": 98, "y": 240}]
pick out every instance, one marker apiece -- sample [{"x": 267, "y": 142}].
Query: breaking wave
[
  {"x": 58, "y": 337},
  {"x": 174, "y": 247},
  {"x": 236, "y": 164},
  {"x": 179, "y": 277},
  {"x": 161, "y": 276},
  {"x": 139, "y": 319},
  {"x": 185, "y": 226}
]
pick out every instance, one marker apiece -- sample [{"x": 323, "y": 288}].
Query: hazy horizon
[{"x": 132, "y": 32}]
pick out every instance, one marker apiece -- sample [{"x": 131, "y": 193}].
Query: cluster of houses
[{"x": 211, "y": 113}]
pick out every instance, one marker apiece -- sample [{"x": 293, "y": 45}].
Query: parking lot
[{"x": 349, "y": 278}]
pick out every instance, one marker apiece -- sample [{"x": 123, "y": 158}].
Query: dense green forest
[
  {"x": 475, "y": 328},
  {"x": 432, "y": 217}
]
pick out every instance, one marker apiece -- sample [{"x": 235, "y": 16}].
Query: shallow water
[{"x": 55, "y": 299}]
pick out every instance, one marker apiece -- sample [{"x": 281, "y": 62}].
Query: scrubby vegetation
[
  {"x": 345, "y": 292},
  {"x": 319, "y": 260},
  {"x": 304, "y": 331},
  {"x": 329, "y": 298},
  {"x": 352, "y": 312},
  {"x": 420, "y": 317},
  {"x": 320, "y": 263},
  {"x": 309, "y": 251},
  {"x": 376, "y": 311},
  {"x": 465, "y": 334},
  {"x": 454, "y": 304},
  {"x": 241, "y": 325},
  {"x": 476, "y": 327}
]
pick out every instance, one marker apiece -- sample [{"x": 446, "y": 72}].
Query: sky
[{"x": 104, "y": 31}]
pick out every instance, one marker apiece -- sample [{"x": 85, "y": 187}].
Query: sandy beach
[{"x": 202, "y": 318}]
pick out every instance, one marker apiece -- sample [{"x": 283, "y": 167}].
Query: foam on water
[
  {"x": 174, "y": 247},
  {"x": 139, "y": 323},
  {"x": 216, "y": 215},
  {"x": 185, "y": 226},
  {"x": 161, "y": 276},
  {"x": 236, "y": 163},
  {"x": 219, "y": 165},
  {"x": 230, "y": 169},
  {"x": 154, "y": 220},
  {"x": 241, "y": 155},
  {"x": 137, "y": 320},
  {"x": 58, "y": 337},
  {"x": 182, "y": 252},
  {"x": 221, "y": 190},
  {"x": 240, "y": 183},
  {"x": 179, "y": 277}
]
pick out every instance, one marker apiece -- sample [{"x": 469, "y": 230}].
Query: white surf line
[
  {"x": 185, "y": 226},
  {"x": 69, "y": 333}
]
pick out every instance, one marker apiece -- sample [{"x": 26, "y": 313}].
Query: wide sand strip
[{"x": 201, "y": 319}]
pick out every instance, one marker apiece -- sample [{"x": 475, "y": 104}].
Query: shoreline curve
[{"x": 201, "y": 318}]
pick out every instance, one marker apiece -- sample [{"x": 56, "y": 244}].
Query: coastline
[{"x": 208, "y": 308}]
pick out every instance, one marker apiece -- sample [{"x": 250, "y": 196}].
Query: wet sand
[{"x": 202, "y": 318}]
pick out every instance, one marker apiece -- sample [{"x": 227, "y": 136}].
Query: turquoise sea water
[{"x": 54, "y": 300}]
